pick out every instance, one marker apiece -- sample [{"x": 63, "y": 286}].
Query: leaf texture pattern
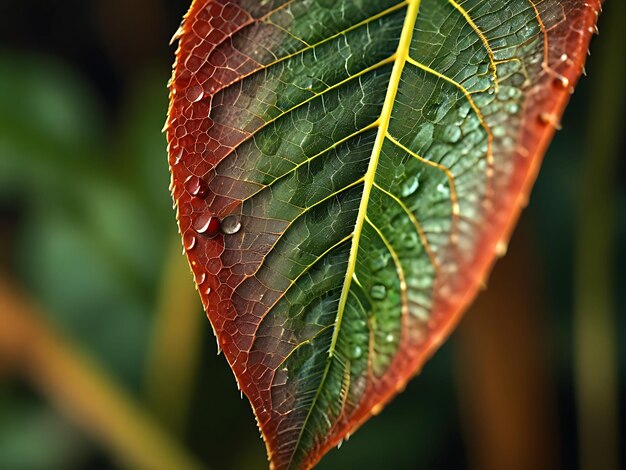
[{"x": 345, "y": 172}]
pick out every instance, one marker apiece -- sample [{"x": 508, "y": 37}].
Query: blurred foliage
[{"x": 86, "y": 228}]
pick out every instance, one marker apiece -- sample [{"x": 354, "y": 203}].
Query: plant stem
[
  {"x": 594, "y": 321},
  {"x": 176, "y": 342},
  {"x": 81, "y": 389},
  {"x": 505, "y": 384}
]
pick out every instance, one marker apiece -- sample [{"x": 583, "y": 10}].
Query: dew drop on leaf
[
  {"x": 443, "y": 189},
  {"x": 512, "y": 108},
  {"x": 195, "y": 93},
  {"x": 451, "y": 134},
  {"x": 513, "y": 92},
  {"x": 189, "y": 241},
  {"x": 197, "y": 187},
  {"x": 561, "y": 81},
  {"x": 231, "y": 225},
  {"x": 207, "y": 225},
  {"x": 463, "y": 110},
  {"x": 410, "y": 186},
  {"x": 378, "y": 292},
  {"x": 356, "y": 352},
  {"x": 200, "y": 277},
  {"x": 379, "y": 262},
  {"x": 305, "y": 82},
  {"x": 499, "y": 131},
  {"x": 410, "y": 240}
]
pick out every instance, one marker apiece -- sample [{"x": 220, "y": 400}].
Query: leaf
[{"x": 345, "y": 173}]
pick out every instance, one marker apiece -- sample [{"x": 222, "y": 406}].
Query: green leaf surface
[{"x": 345, "y": 173}]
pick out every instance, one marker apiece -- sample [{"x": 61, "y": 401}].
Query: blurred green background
[{"x": 107, "y": 361}]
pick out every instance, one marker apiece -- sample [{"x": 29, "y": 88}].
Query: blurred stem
[
  {"x": 176, "y": 342},
  {"x": 81, "y": 389},
  {"x": 594, "y": 322},
  {"x": 505, "y": 385}
]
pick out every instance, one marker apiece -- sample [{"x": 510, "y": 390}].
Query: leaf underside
[{"x": 367, "y": 160}]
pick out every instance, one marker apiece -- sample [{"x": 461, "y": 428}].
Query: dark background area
[{"x": 91, "y": 278}]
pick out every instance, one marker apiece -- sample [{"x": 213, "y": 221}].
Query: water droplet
[
  {"x": 197, "y": 187},
  {"x": 443, "y": 189},
  {"x": 231, "y": 225},
  {"x": 390, "y": 338},
  {"x": 378, "y": 292},
  {"x": 561, "y": 81},
  {"x": 305, "y": 82},
  {"x": 410, "y": 240},
  {"x": 340, "y": 444},
  {"x": 379, "y": 262},
  {"x": 200, "y": 278},
  {"x": 503, "y": 93},
  {"x": 410, "y": 186},
  {"x": 511, "y": 108},
  {"x": 189, "y": 241},
  {"x": 463, "y": 110},
  {"x": 207, "y": 225},
  {"x": 451, "y": 134},
  {"x": 357, "y": 352},
  {"x": 498, "y": 131},
  {"x": 195, "y": 93},
  {"x": 564, "y": 57}
]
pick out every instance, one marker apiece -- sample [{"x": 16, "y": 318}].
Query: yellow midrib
[
  {"x": 400, "y": 58},
  {"x": 401, "y": 55}
]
